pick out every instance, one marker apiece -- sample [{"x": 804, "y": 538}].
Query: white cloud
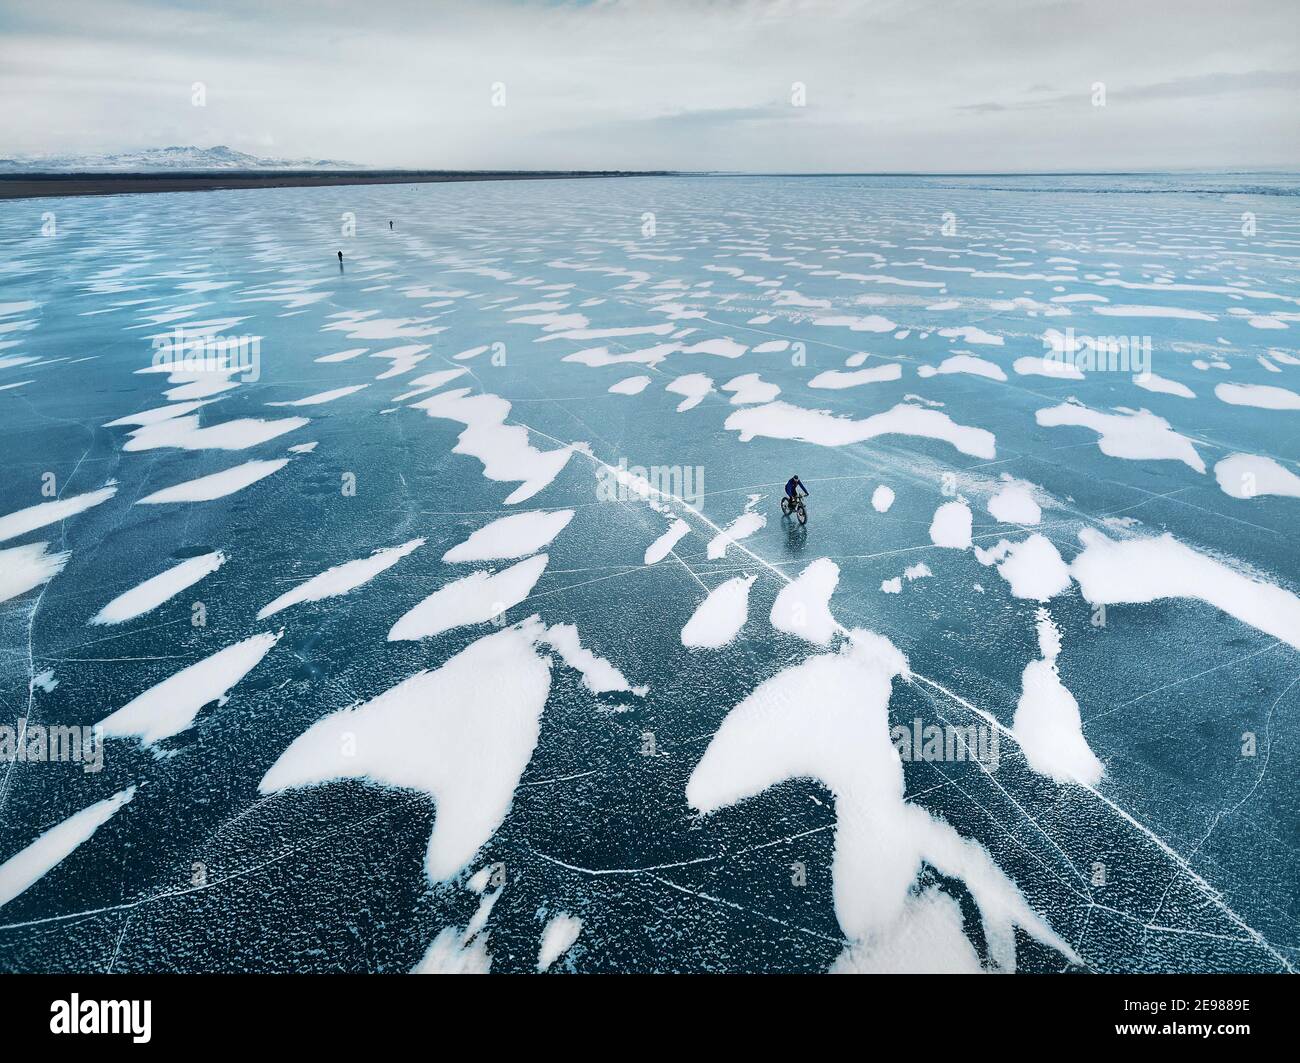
[{"x": 673, "y": 84}]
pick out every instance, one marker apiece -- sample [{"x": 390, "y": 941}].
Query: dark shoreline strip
[{"x": 39, "y": 185}]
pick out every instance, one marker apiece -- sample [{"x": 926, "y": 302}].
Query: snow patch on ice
[
  {"x": 781, "y": 420},
  {"x": 718, "y": 619},
  {"x": 724, "y": 348},
  {"x": 454, "y": 952},
  {"x": 750, "y": 388},
  {"x": 184, "y": 433},
  {"x": 422, "y": 385},
  {"x": 630, "y": 385},
  {"x": 322, "y": 396},
  {"x": 43, "y": 681},
  {"x": 1034, "y": 365},
  {"x": 1015, "y": 504},
  {"x": 28, "y": 866},
  {"x": 869, "y": 323},
  {"x": 215, "y": 485},
  {"x": 951, "y": 526},
  {"x": 1153, "y": 311},
  {"x": 343, "y": 356},
  {"x": 1146, "y": 570},
  {"x": 24, "y": 567},
  {"x": 474, "y": 599},
  {"x": 1251, "y": 475},
  {"x": 170, "y": 707},
  {"x": 445, "y": 733},
  {"x": 402, "y": 359},
  {"x": 828, "y": 719},
  {"x": 929, "y": 938},
  {"x": 21, "y": 521},
  {"x": 150, "y": 594},
  {"x": 661, "y": 547},
  {"x": 694, "y": 386},
  {"x": 964, "y": 363},
  {"x": 503, "y": 449},
  {"x": 1261, "y": 396},
  {"x": 1162, "y": 386},
  {"x": 1047, "y": 723},
  {"x": 803, "y": 606},
  {"x": 158, "y": 413},
  {"x": 741, "y": 528},
  {"x": 341, "y": 579},
  {"x": 357, "y": 325},
  {"x": 971, "y": 334},
  {"x": 514, "y": 536},
  {"x": 598, "y": 674},
  {"x": 1133, "y": 434},
  {"x": 558, "y": 937},
  {"x": 838, "y": 379},
  {"x": 1033, "y": 568}
]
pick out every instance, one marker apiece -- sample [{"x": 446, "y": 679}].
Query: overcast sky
[{"x": 962, "y": 85}]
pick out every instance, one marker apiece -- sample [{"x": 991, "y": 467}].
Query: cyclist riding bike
[
  {"x": 792, "y": 501},
  {"x": 792, "y": 487}
]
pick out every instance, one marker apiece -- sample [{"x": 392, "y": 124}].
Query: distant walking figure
[
  {"x": 390, "y": 225},
  {"x": 340, "y": 261}
]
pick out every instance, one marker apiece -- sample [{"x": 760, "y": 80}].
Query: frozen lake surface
[{"x": 438, "y": 612}]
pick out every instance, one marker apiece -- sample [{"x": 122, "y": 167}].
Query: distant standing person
[
  {"x": 340, "y": 260},
  {"x": 390, "y": 225}
]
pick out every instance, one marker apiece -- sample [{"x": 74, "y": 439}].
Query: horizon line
[{"x": 623, "y": 171}]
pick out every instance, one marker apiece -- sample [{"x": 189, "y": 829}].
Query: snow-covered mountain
[{"x": 149, "y": 160}]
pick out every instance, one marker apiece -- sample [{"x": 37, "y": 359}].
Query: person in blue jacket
[{"x": 792, "y": 487}]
